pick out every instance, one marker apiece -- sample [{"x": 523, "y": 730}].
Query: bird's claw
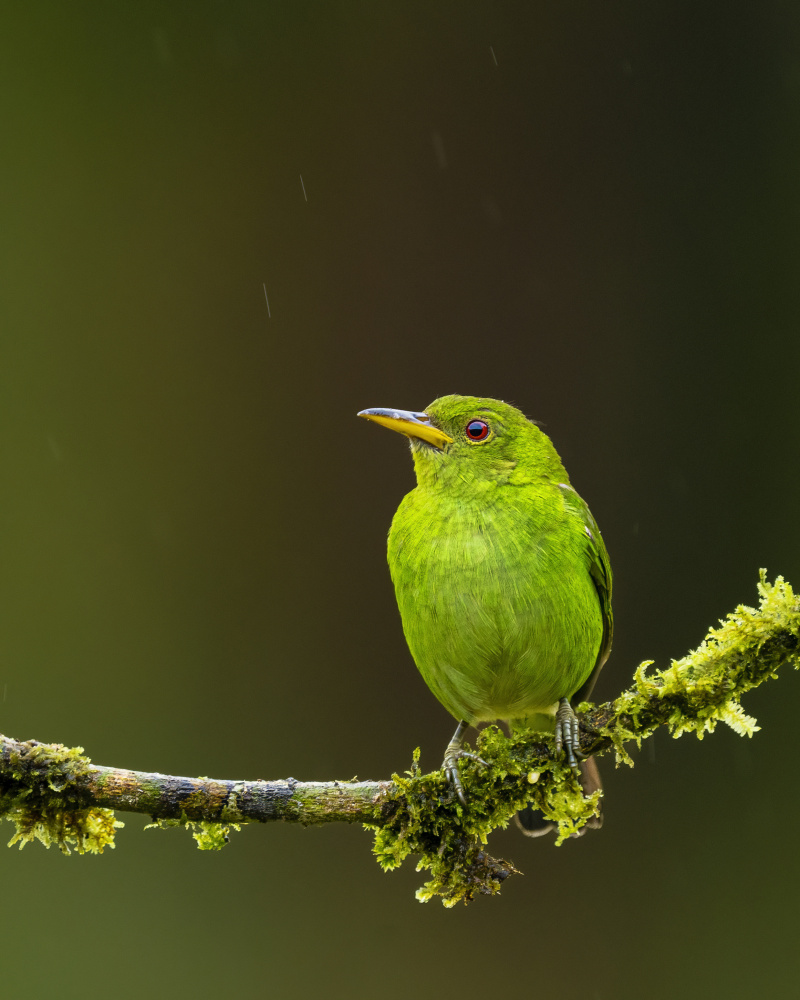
[
  {"x": 568, "y": 733},
  {"x": 451, "y": 772}
]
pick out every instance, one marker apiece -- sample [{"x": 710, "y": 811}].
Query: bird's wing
[{"x": 599, "y": 568}]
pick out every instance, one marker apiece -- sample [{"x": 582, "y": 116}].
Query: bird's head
[{"x": 473, "y": 440}]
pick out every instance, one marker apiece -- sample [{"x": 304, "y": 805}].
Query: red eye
[{"x": 477, "y": 430}]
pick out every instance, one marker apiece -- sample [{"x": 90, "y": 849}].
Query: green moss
[
  {"x": 209, "y": 836},
  {"x": 89, "y": 831},
  {"x": 429, "y": 821},
  {"x": 42, "y": 800},
  {"x": 45, "y": 788},
  {"x": 693, "y": 694},
  {"x": 704, "y": 688}
]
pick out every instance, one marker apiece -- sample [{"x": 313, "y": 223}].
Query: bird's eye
[{"x": 477, "y": 430}]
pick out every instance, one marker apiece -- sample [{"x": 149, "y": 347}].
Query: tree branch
[
  {"x": 41, "y": 769},
  {"x": 56, "y": 795}
]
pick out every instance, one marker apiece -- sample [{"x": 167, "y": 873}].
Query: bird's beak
[{"x": 413, "y": 425}]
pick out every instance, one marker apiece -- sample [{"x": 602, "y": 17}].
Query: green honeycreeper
[{"x": 501, "y": 575}]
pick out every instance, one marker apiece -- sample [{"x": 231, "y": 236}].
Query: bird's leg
[
  {"x": 452, "y": 755},
  {"x": 567, "y": 733}
]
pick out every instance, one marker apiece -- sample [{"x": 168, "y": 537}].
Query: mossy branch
[{"x": 56, "y": 795}]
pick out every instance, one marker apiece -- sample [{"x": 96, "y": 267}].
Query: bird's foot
[
  {"x": 451, "y": 772},
  {"x": 452, "y": 755},
  {"x": 568, "y": 733}
]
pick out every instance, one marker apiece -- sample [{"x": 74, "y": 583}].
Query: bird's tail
[{"x": 533, "y": 823}]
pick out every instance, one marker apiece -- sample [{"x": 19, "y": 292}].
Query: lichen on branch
[{"x": 56, "y": 795}]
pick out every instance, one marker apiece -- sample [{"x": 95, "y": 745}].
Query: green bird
[{"x": 501, "y": 575}]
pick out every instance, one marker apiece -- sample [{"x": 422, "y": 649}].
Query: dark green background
[{"x": 603, "y": 229}]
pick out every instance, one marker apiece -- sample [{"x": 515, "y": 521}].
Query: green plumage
[{"x": 501, "y": 575}]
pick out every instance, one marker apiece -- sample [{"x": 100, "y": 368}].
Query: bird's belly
[
  {"x": 485, "y": 673},
  {"x": 499, "y": 633}
]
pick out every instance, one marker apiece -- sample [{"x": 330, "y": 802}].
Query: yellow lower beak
[{"x": 414, "y": 425}]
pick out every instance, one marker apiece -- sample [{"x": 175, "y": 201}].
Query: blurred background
[{"x": 226, "y": 228}]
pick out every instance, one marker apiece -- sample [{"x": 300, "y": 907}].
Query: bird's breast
[{"x": 497, "y": 604}]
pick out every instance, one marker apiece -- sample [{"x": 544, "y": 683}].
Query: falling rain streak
[
  {"x": 264, "y": 285},
  {"x": 302, "y": 185}
]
